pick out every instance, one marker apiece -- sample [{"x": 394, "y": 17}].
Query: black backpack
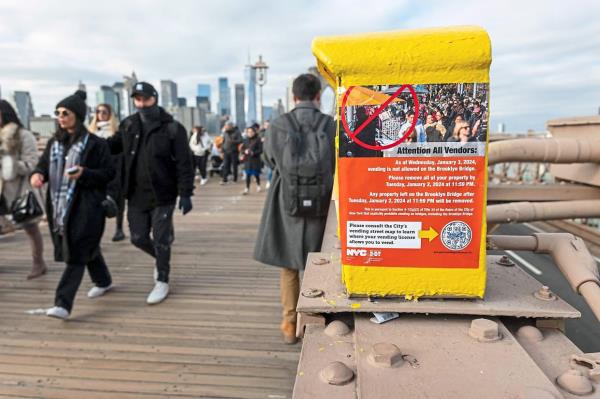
[{"x": 306, "y": 168}]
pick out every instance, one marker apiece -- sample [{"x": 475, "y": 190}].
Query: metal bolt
[
  {"x": 384, "y": 354},
  {"x": 588, "y": 363},
  {"x": 336, "y": 328},
  {"x": 545, "y": 294},
  {"x": 319, "y": 261},
  {"x": 484, "y": 330},
  {"x": 530, "y": 333},
  {"x": 505, "y": 261},
  {"x": 336, "y": 373},
  {"x": 312, "y": 293},
  {"x": 575, "y": 382}
]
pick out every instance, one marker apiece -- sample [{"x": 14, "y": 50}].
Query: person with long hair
[
  {"x": 105, "y": 125},
  {"x": 200, "y": 144},
  {"x": 77, "y": 167},
  {"x": 19, "y": 155},
  {"x": 461, "y": 133}
]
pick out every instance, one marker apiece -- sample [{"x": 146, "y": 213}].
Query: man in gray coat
[{"x": 284, "y": 240}]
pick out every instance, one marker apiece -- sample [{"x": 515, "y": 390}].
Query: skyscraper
[
  {"x": 127, "y": 106},
  {"x": 22, "y": 100},
  {"x": 250, "y": 95},
  {"x": 267, "y": 113},
  {"x": 107, "y": 95},
  {"x": 123, "y": 97},
  {"x": 224, "y": 97},
  {"x": 240, "y": 114},
  {"x": 203, "y": 96},
  {"x": 168, "y": 93}
]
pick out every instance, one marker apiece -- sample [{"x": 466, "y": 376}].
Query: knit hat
[{"x": 76, "y": 104}]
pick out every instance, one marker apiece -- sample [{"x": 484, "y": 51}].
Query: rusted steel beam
[
  {"x": 570, "y": 255},
  {"x": 502, "y": 192},
  {"x": 534, "y": 211},
  {"x": 553, "y": 150}
]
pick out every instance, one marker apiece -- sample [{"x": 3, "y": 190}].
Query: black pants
[
  {"x": 201, "y": 164},
  {"x": 159, "y": 221},
  {"x": 230, "y": 161},
  {"x": 72, "y": 276},
  {"x": 120, "y": 211},
  {"x": 249, "y": 179},
  {"x": 115, "y": 190}
]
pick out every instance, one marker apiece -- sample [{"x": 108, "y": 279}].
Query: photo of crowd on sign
[{"x": 456, "y": 112}]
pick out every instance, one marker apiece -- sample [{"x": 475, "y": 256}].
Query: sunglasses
[{"x": 63, "y": 113}]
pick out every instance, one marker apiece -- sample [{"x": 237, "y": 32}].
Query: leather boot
[
  {"x": 36, "y": 241},
  {"x": 289, "y": 332}
]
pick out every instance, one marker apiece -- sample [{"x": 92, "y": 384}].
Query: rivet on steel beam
[
  {"x": 505, "y": 261},
  {"x": 545, "y": 294},
  {"x": 337, "y": 328},
  {"x": 384, "y": 354},
  {"x": 312, "y": 293},
  {"x": 530, "y": 333},
  {"x": 575, "y": 382},
  {"x": 588, "y": 363},
  {"x": 319, "y": 261},
  {"x": 484, "y": 330},
  {"x": 336, "y": 373}
]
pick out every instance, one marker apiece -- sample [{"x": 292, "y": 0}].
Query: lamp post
[{"x": 261, "y": 79}]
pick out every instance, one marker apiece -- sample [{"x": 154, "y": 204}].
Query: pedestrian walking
[
  {"x": 105, "y": 125},
  {"x": 158, "y": 168},
  {"x": 232, "y": 138},
  {"x": 77, "y": 167},
  {"x": 18, "y": 157},
  {"x": 299, "y": 147},
  {"x": 201, "y": 145},
  {"x": 251, "y": 155}
]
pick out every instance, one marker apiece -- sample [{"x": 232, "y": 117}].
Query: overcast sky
[{"x": 546, "y": 54}]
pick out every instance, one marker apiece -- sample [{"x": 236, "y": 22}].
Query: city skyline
[{"x": 536, "y": 47}]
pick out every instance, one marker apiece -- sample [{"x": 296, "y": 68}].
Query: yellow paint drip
[{"x": 424, "y": 56}]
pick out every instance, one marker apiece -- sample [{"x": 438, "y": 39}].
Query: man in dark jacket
[
  {"x": 284, "y": 240},
  {"x": 158, "y": 168},
  {"x": 232, "y": 138}
]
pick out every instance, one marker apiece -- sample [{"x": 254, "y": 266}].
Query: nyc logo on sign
[{"x": 356, "y": 252}]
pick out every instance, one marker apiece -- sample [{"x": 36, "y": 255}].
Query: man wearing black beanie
[{"x": 158, "y": 168}]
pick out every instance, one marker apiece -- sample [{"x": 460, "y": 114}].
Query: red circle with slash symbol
[{"x": 353, "y": 134}]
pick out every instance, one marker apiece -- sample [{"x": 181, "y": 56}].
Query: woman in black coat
[
  {"x": 251, "y": 153},
  {"x": 77, "y": 167}
]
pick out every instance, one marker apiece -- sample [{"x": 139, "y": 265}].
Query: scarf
[{"x": 61, "y": 188}]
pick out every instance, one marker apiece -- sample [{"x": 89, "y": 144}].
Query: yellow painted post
[{"x": 439, "y": 251}]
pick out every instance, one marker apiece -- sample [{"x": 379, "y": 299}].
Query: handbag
[{"x": 25, "y": 207}]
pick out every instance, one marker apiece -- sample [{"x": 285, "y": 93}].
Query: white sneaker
[
  {"x": 155, "y": 274},
  {"x": 98, "y": 291},
  {"x": 258, "y": 190},
  {"x": 268, "y": 185},
  {"x": 159, "y": 293},
  {"x": 58, "y": 312},
  {"x": 203, "y": 181},
  {"x": 246, "y": 191}
]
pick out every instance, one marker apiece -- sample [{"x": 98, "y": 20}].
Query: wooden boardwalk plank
[{"x": 216, "y": 336}]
